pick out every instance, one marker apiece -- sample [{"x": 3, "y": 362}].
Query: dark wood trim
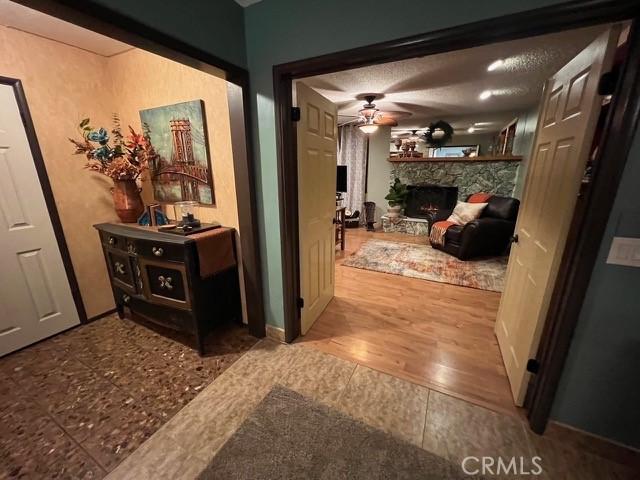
[
  {"x": 238, "y": 100},
  {"x": 111, "y": 23},
  {"x": 564, "y": 16},
  {"x": 540, "y": 21},
  {"x": 585, "y": 236},
  {"x": 103, "y": 20},
  {"x": 286, "y": 142},
  {"x": 101, "y": 315},
  {"x": 49, "y": 199}
]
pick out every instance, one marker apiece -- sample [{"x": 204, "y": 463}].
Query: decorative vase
[
  {"x": 394, "y": 213},
  {"x": 127, "y": 200}
]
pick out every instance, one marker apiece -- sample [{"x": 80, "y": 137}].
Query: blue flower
[
  {"x": 101, "y": 136},
  {"x": 101, "y": 153}
]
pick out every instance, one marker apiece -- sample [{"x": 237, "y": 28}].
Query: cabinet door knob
[
  {"x": 112, "y": 240},
  {"x": 126, "y": 298},
  {"x": 157, "y": 251}
]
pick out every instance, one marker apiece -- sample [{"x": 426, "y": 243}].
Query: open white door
[
  {"x": 35, "y": 296},
  {"x": 317, "y": 146},
  {"x": 569, "y": 112}
]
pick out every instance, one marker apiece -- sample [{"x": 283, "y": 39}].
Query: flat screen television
[{"x": 341, "y": 179}]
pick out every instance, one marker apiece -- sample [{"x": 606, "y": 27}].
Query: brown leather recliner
[{"x": 489, "y": 235}]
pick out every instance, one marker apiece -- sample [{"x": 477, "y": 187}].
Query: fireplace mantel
[{"x": 482, "y": 158}]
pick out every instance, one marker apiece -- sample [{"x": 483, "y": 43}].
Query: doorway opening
[{"x": 365, "y": 322}]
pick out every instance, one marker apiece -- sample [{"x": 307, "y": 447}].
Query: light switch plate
[{"x": 624, "y": 251}]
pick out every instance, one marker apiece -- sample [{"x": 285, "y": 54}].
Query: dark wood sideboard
[{"x": 157, "y": 276}]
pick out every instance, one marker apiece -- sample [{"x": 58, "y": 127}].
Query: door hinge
[
  {"x": 533, "y": 366},
  {"x": 300, "y": 303},
  {"x": 295, "y": 114},
  {"x": 607, "y": 83}
]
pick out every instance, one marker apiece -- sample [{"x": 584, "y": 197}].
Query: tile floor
[
  {"x": 447, "y": 426},
  {"x": 77, "y": 404}
]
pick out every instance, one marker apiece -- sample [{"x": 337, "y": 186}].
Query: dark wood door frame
[
  {"x": 128, "y": 30},
  {"x": 38, "y": 161},
  {"x": 587, "y": 230}
]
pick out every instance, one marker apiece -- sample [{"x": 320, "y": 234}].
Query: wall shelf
[{"x": 481, "y": 158}]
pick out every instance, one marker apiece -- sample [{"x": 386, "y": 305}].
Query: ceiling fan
[{"x": 369, "y": 117}]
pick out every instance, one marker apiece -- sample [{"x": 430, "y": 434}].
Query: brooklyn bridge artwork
[{"x": 182, "y": 170}]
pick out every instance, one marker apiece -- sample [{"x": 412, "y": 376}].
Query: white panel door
[
  {"x": 317, "y": 149},
  {"x": 35, "y": 296},
  {"x": 570, "y": 109}
]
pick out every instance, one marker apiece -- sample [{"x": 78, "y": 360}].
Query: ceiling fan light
[{"x": 368, "y": 128}]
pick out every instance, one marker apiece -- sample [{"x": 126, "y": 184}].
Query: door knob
[{"x": 514, "y": 238}]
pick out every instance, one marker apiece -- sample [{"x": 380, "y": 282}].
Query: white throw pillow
[{"x": 466, "y": 212}]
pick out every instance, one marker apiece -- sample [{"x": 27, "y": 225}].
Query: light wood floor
[{"x": 433, "y": 334}]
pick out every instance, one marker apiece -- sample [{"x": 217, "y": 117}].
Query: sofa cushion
[
  {"x": 504, "y": 208},
  {"x": 466, "y": 212}
]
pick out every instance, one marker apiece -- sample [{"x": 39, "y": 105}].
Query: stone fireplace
[{"x": 494, "y": 176}]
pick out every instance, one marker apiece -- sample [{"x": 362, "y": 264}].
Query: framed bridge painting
[{"x": 182, "y": 170}]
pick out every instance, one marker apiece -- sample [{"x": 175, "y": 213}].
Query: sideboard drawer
[
  {"x": 160, "y": 250},
  {"x": 113, "y": 241},
  {"x": 172, "y": 318}
]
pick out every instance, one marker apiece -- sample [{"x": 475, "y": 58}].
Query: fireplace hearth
[{"x": 426, "y": 200}]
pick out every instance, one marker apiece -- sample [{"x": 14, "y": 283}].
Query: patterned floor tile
[{"x": 76, "y": 405}]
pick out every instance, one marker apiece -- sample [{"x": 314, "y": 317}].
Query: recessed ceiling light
[
  {"x": 486, "y": 94},
  {"x": 471, "y": 129},
  {"x": 495, "y": 65}
]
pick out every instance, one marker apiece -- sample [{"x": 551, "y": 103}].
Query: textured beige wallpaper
[
  {"x": 63, "y": 85},
  {"x": 143, "y": 80}
]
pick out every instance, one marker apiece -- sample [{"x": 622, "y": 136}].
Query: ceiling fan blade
[
  {"x": 395, "y": 113},
  {"x": 382, "y": 120},
  {"x": 349, "y": 122}
]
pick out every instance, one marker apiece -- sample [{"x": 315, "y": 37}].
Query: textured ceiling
[
  {"x": 446, "y": 86},
  {"x": 27, "y": 20}
]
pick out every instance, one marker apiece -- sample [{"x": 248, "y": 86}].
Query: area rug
[
  {"x": 427, "y": 263},
  {"x": 289, "y": 436}
]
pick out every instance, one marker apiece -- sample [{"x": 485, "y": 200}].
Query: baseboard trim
[
  {"x": 100, "y": 315},
  {"x": 595, "y": 444},
  {"x": 275, "y": 333}
]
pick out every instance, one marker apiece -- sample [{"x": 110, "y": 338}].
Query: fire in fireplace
[{"x": 426, "y": 200}]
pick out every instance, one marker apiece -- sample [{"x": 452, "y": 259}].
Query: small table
[{"x": 340, "y": 226}]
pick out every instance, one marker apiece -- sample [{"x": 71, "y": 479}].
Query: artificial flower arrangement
[{"x": 125, "y": 159}]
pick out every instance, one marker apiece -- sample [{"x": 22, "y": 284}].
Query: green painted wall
[
  {"x": 280, "y": 31},
  {"x": 216, "y": 26},
  {"x": 599, "y": 391}
]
